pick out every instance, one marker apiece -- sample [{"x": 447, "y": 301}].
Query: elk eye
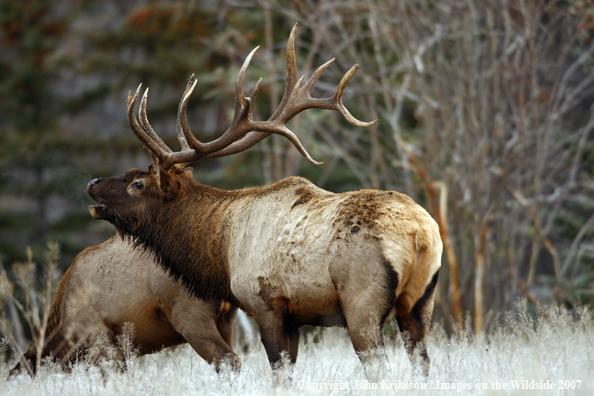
[{"x": 137, "y": 185}]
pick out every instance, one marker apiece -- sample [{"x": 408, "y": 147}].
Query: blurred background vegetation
[{"x": 485, "y": 118}]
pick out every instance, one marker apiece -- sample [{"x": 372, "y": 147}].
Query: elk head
[{"x": 130, "y": 198}]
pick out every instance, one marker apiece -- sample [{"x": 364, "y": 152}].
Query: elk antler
[{"x": 295, "y": 100}]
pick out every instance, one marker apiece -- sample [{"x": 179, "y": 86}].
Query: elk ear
[
  {"x": 189, "y": 171},
  {"x": 183, "y": 170},
  {"x": 165, "y": 181}
]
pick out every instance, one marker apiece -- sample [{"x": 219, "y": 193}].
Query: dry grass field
[{"x": 549, "y": 352}]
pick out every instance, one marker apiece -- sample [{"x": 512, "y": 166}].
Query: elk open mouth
[{"x": 96, "y": 210}]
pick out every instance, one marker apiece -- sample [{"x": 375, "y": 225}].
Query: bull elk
[
  {"x": 289, "y": 254},
  {"x": 112, "y": 284}
]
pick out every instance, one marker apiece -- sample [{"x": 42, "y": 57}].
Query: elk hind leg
[
  {"x": 365, "y": 330},
  {"x": 414, "y": 322},
  {"x": 365, "y": 321},
  {"x": 366, "y": 308}
]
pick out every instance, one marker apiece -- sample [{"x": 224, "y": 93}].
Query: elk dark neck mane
[{"x": 188, "y": 239}]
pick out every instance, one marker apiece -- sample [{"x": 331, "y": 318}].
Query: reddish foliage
[{"x": 150, "y": 21}]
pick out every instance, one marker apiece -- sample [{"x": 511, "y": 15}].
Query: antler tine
[
  {"x": 240, "y": 117},
  {"x": 252, "y": 98},
  {"x": 286, "y": 132},
  {"x": 153, "y": 148},
  {"x": 280, "y": 128},
  {"x": 239, "y": 96},
  {"x": 316, "y": 76},
  {"x": 182, "y": 128},
  {"x": 338, "y": 99},
  {"x": 146, "y": 126},
  {"x": 291, "y": 73},
  {"x": 286, "y": 115},
  {"x": 305, "y": 101}
]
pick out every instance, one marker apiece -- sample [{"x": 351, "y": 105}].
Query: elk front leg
[
  {"x": 293, "y": 344},
  {"x": 225, "y": 321},
  {"x": 199, "y": 325},
  {"x": 275, "y": 338}
]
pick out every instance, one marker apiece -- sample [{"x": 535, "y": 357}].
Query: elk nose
[{"x": 93, "y": 182}]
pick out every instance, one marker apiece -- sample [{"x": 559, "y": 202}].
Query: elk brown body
[
  {"x": 289, "y": 254},
  {"x": 113, "y": 284}
]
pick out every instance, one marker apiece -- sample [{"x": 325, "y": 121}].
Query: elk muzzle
[
  {"x": 92, "y": 183},
  {"x": 94, "y": 209}
]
